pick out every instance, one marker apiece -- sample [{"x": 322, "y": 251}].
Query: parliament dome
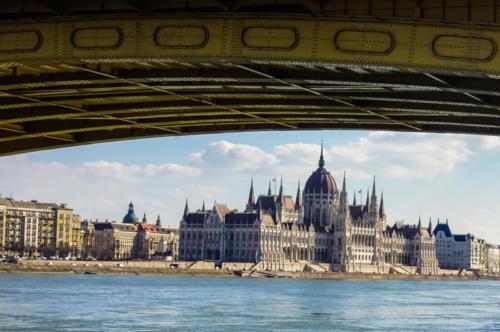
[{"x": 321, "y": 181}]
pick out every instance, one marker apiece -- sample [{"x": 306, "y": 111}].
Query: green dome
[{"x": 130, "y": 217}]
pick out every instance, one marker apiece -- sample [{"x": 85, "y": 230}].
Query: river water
[{"x": 163, "y": 303}]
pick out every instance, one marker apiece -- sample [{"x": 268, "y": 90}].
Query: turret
[
  {"x": 343, "y": 201},
  {"x": 367, "y": 205},
  {"x": 251, "y": 198},
  {"x": 186, "y": 209},
  {"x": 381, "y": 210},
  {"x": 158, "y": 221},
  {"x": 144, "y": 220},
  {"x": 298, "y": 202},
  {"x": 373, "y": 207},
  {"x": 280, "y": 195}
]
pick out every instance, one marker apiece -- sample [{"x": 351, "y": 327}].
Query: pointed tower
[
  {"x": 269, "y": 192},
  {"x": 344, "y": 185},
  {"x": 321, "y": 162},
  {"x": 419, "y": 223},
  {"x": 298, "y": 202},
  {"x": 373, "y": 207},
  {"x": 280, "y": 195},
  {"x": 354, "y": 200},
  {"x": 343, "y": 200},
  {"x": 144, "y": 220},
  {"x": 381, "y": 210},
  {"x": 367, "y": 204},
  {"x": 430, "y": 226},
  {"x": 186, "y": 209},
  {"x": 251, "y": 198},
  {"x": 203, "y": 206},
  {"x": 158, "y": 221}
]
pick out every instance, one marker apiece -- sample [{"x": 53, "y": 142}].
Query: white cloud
[
  {"x": 393, "y": 155},
  {"x": 223, "y": 155},
  {"x": 403, "y": 155},
  {"x": 133, "y": 172},
  {"x": 489, "y": 142}
]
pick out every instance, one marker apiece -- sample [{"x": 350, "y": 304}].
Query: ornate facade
[
  {"x": 319, "y": 229},
  {"x": 133, "y": 240}
]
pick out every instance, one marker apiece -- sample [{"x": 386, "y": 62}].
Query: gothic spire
[
  {"x": 374, "y": 192},
  {"x": 354, "y": 201},
  {"x": 158, "y": 221},
  {"x": 344, "y": 185},
  {"x": 186, "y": 209},
  {"x": 381, "y": 211},
  {"x": 430, "y": 226},
  {"x": 419, "y": 223},
  {"x": 367, "y": 205},
  {"x": 280, "y": 196},
  {"x": 202, "y": 207},
  {"x": 144, "y": 220},
  {"x": 251, "y": 197},
  {"x": 321, "y": 158},
  {"x": 297, "y": 198},
  {"x": 269, "y": 192}
]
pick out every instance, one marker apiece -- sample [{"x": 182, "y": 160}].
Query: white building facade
[
  {"x": 459, "y": 251},
  {"x": 320, "y": 228}
]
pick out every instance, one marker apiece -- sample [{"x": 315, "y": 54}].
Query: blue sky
[{"x": 427, "y": 175}]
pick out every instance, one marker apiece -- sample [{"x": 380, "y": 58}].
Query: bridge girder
[{"x": 66, "y": 80}]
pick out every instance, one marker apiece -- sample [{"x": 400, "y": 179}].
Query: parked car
[{"x": 11, "y": 260}]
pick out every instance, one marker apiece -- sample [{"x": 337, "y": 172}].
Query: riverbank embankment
[{"x": 190, "y": 269}]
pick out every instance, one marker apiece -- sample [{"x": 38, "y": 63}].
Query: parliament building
[{"x": 319, "y": 230}]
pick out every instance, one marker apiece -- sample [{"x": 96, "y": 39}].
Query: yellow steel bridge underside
[{"x": 90, "y": 71}]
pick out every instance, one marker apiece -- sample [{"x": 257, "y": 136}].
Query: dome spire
[
  {"x": 130, "y": 217},
  {"x": 321, "y": 158}
]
